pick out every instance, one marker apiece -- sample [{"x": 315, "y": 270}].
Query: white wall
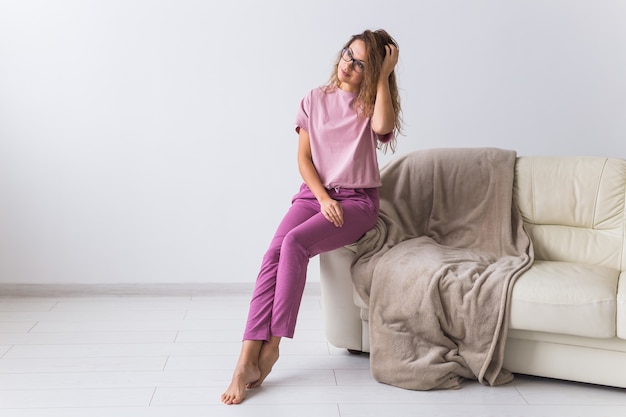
[{"x": 152, "y": 140}]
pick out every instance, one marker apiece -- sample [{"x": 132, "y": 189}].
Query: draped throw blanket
[{"x": 438, "y": 268}]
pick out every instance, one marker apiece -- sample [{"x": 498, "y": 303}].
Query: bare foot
[
  {"x": 243, "y": 376},
  {"x": 267, "y": 358},
  {"x": 246, "y": 372}
]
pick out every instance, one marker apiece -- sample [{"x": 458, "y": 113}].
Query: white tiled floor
[{"x": 164, "y": 356}]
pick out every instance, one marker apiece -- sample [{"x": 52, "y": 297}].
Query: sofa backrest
[{"x": 574, "y": 208}]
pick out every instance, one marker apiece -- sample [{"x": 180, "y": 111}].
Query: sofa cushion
[
  {"x": 573, "y": 208},
  {"x": 566, "y": 298}
]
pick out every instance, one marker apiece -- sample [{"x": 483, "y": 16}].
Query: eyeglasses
[{"x": 357, "y": 64}]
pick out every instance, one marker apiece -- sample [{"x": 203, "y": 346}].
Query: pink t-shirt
[{"x": 343, "y": 144}]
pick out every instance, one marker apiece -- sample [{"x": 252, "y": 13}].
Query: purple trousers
[{"x": 302, "y": 234}]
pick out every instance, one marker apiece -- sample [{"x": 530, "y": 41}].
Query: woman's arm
[
  {"x": 331, "y": 209},
  {"x": 384, "y": 117}
]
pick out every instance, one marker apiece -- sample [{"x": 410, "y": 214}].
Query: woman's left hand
[
  {"x": 391, "y": 59},
  {"x": 332, "y": 211}
]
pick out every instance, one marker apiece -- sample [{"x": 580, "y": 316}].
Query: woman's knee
[{"x": 292, "y": 242}]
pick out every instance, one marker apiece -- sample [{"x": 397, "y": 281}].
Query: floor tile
[
  {"x": 62, "y": 338},
  {"x": 8, "y": 365},
  {"x": 4, "y": 349},
  {"x": 218, "y": 410},
  {"x": 544, "y": 391},
  {"x": 472, "y": 410},
  {"x": 17, "y": 326},
  {"x": 112, "y": 379},
  {"x": 121, "y": 349},
  {"x": 98, "y": 315},
  {"x": 75, "y": 398},
  {"x": 206, "y": 326},
  {"x": 9, "y": 305}
]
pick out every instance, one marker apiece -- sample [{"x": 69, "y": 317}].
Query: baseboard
[{"x": 84, "y": 290}]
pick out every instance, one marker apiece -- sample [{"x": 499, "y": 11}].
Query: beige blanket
[{"x": 438, "y": 268}]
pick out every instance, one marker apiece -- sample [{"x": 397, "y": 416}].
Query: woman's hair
[{"x": 375, "y": 42}]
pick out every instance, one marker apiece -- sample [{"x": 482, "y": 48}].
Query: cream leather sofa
[{"x": 568, "y": 311}]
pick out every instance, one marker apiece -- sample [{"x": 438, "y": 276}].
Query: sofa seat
[
  {"x": 559, "y": 297},
  {"x": 566, "y": 298}
]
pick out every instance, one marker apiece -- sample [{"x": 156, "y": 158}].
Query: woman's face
[{"x": 351, "y": 68}]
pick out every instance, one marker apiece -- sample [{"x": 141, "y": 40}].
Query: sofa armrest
[{"x": 342, "y": 318}]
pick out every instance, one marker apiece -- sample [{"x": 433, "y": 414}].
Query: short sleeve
[
  {"x": 386, "y": 137},
  {"x": 302, "y": 116}
]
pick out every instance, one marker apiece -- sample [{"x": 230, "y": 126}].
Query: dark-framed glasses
[{"x": 357, "y": 64}]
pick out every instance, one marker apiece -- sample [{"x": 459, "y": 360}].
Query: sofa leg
[{"x": 355, "y": 352}]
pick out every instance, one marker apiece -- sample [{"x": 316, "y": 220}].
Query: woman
[{"x": 340, "y": 126}]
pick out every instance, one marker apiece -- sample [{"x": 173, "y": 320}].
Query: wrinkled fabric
[{"x": 438, "y": 268}]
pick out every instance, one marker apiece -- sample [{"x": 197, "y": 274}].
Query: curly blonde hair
[{"x": 375, "y": 42}]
